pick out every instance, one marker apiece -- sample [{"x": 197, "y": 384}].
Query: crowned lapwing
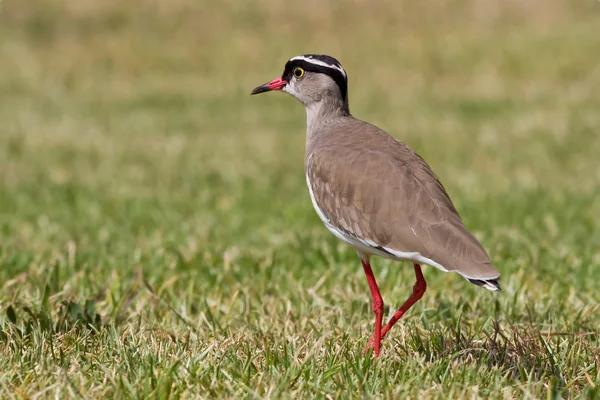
[{"x": 375, "y": 193}]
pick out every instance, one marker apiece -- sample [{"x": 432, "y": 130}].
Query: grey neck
[{"x": 323, "y": 112}]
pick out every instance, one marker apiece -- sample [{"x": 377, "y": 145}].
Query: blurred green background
[{"x": 137, "y": 174}]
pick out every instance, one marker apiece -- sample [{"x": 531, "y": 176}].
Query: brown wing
[{"x": 380, "y": 191}]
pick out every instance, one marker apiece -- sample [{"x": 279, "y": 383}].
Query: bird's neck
[{"x": 323, "y": 112}]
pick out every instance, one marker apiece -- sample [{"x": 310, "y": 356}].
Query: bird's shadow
[{"x": 521, "y": 351}]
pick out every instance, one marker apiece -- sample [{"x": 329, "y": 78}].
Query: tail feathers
[{"x": 490, "y": 284}]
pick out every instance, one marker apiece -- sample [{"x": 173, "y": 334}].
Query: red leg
[
  {"x": 377, "y": 306},
  {"x": 418, "y": 291}
]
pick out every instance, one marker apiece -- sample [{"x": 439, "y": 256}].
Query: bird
[{"x": 374, "y": 192}]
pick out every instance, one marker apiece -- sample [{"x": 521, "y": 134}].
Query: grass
[{"x": 157, "y": 239}]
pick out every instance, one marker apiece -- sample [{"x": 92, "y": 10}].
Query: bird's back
[{"x": 377, "y": 190}]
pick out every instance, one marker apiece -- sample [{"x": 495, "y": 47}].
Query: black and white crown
[{"x": 321, "y": 64}]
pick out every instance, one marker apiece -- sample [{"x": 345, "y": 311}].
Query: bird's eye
[{"x": 298, "y": 72}]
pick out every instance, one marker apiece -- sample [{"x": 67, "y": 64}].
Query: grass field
[{"x": 157, "y": 239}]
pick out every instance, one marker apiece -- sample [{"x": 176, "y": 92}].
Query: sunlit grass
[{"x": 139, "y": 182}]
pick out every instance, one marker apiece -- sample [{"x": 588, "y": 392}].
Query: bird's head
[{"x": 311, "y": 78}]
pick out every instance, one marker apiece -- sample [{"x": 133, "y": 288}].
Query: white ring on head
[{"x": 320, "y": 63}]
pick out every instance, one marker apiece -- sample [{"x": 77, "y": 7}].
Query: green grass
[{"x": 157, "y": 239}]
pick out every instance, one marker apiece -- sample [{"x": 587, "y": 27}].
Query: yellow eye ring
[{"x": 298, "y": 72}]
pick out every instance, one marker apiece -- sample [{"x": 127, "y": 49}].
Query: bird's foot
[{"x": 370, "y": 344}]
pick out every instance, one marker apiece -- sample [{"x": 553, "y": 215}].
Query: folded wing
[{"x": 384, "y": 194}]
